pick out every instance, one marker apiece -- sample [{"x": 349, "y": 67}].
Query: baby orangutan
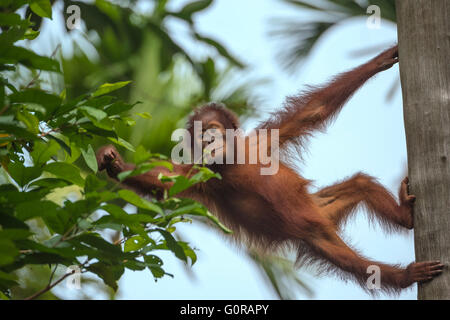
[{"x": 272, "y": 211}]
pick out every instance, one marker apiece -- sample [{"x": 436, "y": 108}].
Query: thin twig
[
  {"x": 4, "y": 109},
  {"x": 120, "y": 241},
  {"x": 53, "y": 273},
  {"x": 39, "y": 72},
  {"x": 43, "y": 134},
  {"x": 49, "y": 287}
]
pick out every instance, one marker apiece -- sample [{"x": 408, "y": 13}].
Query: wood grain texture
[{"x": 424, "y": 53}]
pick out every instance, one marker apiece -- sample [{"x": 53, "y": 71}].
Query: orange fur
[{"x": 276, "y": 211}]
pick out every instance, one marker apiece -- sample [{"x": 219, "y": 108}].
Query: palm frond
[
  {"x": 297, "y": 38},
  {"x": 281, "y": 274}
]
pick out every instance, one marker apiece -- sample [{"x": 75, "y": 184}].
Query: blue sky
[{"x": 367, "y": 136}]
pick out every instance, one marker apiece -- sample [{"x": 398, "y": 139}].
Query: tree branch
[{"x": 49, "y": 286}]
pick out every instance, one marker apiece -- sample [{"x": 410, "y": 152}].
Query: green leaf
[
  {"x": 10, "y": 19},
  {"x": 105, "y": 124},
  {"x": 203, "y": 175},
  {"x": 129, "y": 122},
  {"x": 8, "y": 221},
  {"x": 152, "y": 259},
  {"x": 141, "y": 155},
  {"x": 188, "y": 251},
  {"x": 122, "y": 143},
  {"x": 110, "y": 274},
  {"x": 89, "y": 157},
  {"x": 29, "y": 120},
  {"x": 169, "y": 49},
  {"x": 135, "y": 265},
  {"x": 93, "y": 113},
  {"x": 97, "y": 129},
  {"x": 9, "y": 35},
  {"x": 15, "y": 234},
  {"x": 18, "y": 131},
  {"x": 83, "y": 207},
  {"x": 106, "y": 248},
  {"x": 144, "y": 115},
  {"x": 8, "y": 284},
  {"x": 119, "y": 107},
  {"x": 55, "y": 217},
  {"x": 214, "y": 219},
  {"x": 305, "y": 5},
  {"x": 65, "y": 171},
  {"x": 63, "y": 145},
  {"x": 51, "y": 183},
  {"x": 7, "y": 276},
  {"x": 103, "y": 196},
  {"x": 75, "y": 153},
  {"x": 172, "y": 244},
  {"x": 13, "y": 55},
  {"x": 109, "y": 87},
  {"x": 220, "y": 49},
  {"x": 190, "y": 207},
  {"x": 69, "y": 106},
  {"x": 117, "y": 212},
  {"x": 42, "y": 8},
  {"x": 144, "y": 168},
  {"x": 31, "y": 34},
  {"x": 49, "y": 101},
  {"x": 182, "y": 183},
  {"x": 136, "y": 200},
  {"x": 154, "y": 264},
  {"x": 99, "y": 102},
  {"x": 111, "y": 10},
  {"x": 193, "y": 208},
  {"x": 135, "y": 243},
  {"x": 2, "y": 92},
  {"x": 132, "y": 221},
  {"x": 192, "y": 7},
  {"x": 42, "y": 152},
  {"x": 21, "y": 174},
  {"x": 208, "y": 74},
  {"x": 45, "y": 258},
  {"x": 8, "y": 251},
  {"x": 104, "y": 223},
  {"x": 92, "y": 183},
  {"x": 63, "y": 94}
]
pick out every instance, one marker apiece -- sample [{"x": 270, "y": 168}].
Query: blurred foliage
[
  {"x": 54, "y": 210},
  {"x": 298, "y": 36},
  {"x": 281, "y": 274},
  {"x": 168, "y": 81},
  {"x": 45, "y": 137}
]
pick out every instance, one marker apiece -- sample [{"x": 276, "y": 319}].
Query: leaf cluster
[{"x": 46, "y": 147}]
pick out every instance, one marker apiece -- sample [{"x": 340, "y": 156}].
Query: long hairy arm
[
  {"x": 311, "y": 110},
  {"x": 109, "y": 159}
]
